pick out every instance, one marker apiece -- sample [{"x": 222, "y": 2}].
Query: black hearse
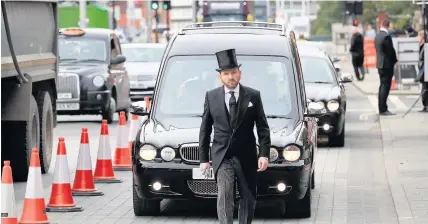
[{"x": 165, "y": 152}]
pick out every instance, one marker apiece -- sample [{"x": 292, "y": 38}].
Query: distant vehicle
[
  {"x": 166, "y": 151},
  {"x": 324, "y": 86},
  {"x": 234, "y": 10},
  {"x": 142, "y": 63},
  {"x": 92, "y": 78}
]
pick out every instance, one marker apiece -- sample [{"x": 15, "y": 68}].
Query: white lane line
[
  {"x": 398, "y": 103},
  {"x": 373, "y": 102}
]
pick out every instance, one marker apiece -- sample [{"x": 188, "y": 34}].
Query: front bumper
[
  {"x": 92, "y": 103},
  {"x": 140, "y": 94},
  {"x": 330, "y": 123},
  {"x": 177, "y": 182}
]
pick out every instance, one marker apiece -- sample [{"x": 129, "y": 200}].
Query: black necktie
[{"x": 232, "y": 109}]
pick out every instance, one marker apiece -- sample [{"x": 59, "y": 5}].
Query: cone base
[
  {"x": 122, "y": 168},
  {"x": 107, "y": 181},
  {"x": 64, "y": 209},
  {"x": 87, "y": 193},
  {"x": 9, "y": 220}
]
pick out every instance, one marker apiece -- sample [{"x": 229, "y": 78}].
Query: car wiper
[
  {"x": 68, "y": 60},
  {"x": 196, "y": 116},
  {"x": 89, "y": 60},
  {"x": 320, "y": 82},
  {"x": 276, "y": 116}
]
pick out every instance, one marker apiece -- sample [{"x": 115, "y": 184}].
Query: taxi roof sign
[{"x": 73, "y": 32}]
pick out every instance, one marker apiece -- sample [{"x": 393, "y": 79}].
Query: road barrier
[{"x": 369, "y": 54}]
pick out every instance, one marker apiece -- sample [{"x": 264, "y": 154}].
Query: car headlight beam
[
  {"x": 148, "y": 152},
  {"x": 291, "y": 153},
  {"x": 332, "y": 105},
  {"x": 98, "y": 81},
  {"x": 168, "y": 154}
]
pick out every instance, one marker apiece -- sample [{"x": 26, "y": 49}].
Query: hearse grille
[
  {"x": 190, "y": 152},
  {"x": 69, "y": 83},
  {"x": 206, "y": 187}
]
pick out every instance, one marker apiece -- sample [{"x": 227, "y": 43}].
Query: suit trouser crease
[
  {"x": 385, "y": 76},
  {"x": 229, "y": 171}
]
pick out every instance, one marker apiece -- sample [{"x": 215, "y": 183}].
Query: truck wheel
[
  {"x": 20, "y": 159},
  {"x": 144, "y": 207},
  {"x": 46, "y": 130},
  {"x": 108, "y": 113}
]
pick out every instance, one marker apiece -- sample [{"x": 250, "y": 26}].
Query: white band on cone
[
  {"x": 61, "y": 175},
  {"x": 122, "y": 137},
  {"x": 8, "y": 200},
  {"x": 84, "y": 159},
  {"x": 104, "y": 150},
  {"x": 34, "y": 184}
]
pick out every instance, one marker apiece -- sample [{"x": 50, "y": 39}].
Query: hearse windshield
[
  {"x": 82, "y": 49},
  {"x": 188, "y": 78}
]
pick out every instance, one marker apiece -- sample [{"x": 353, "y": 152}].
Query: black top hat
[{"x": 227, "y": 60}]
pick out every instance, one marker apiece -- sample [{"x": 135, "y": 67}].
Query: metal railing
[{"x": 235, "y": 25}]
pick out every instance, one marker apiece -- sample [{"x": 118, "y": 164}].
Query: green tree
[
  {"x": 400, "y": 12},
  {"x": 329, "y": 12}
]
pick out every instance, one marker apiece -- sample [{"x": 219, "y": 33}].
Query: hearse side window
[{"x": 187, "y": 78}]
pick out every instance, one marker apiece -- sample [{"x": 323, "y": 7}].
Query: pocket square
[{"x": 250, "y": 104}]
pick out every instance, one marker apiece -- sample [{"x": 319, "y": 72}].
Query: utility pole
[
  {"x": 114, "y": 14},
  {"x": 83, "y": 20},
  {"x": 149, "y": 21},
  {"x": 156, "y": 25}
]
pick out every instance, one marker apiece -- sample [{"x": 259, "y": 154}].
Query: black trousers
[
  {"x": 385, "y": 76},
  {"x": 358, "y": 67},
  {"x": 425, "y": 94}
]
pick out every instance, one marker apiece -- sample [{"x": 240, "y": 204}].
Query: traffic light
[
  {"x": 155, "y": 5},
  {"x": 355, "y": 22},
  {"x": 166, "y": 5},
  {"x": 358, "y": 7}
]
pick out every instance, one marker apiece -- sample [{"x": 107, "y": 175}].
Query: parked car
[
  {"x": 166, "y": 150},
  {"x": 324, "y": 85},
  {"x": 92, "y": 78},
  {"x": 142, "y": 63}
]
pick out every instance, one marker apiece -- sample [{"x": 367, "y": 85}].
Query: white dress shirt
[
  {"x": 227, "y": 95},
  {"x": 383, "y": 29}
]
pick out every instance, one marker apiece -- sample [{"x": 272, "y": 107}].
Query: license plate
[
  {"x": 67, "y": 106},
  {"x": 64, "y": 95},
  {"x": 197, "y": 174}
]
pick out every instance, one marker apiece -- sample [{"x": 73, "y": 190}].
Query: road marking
[
  {"x": 373, "y": 102},
  {"x": 398, "y": 103},
  {"x": 412, "y": 97}
]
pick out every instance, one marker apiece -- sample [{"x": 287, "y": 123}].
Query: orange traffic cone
[
  {"x": 8, "y": 210},
  {"x": 61, "y": 197},
  {"x": 104, "y": 172},
  {"x": 135, "y": 124},
  {"x": 122, "y": 155},
  {"x": 147, "y": 100},
  {"x": 34, "y": 203},
  {"x": 393, "y": 84},
  {"x": 84, "y": 181}
]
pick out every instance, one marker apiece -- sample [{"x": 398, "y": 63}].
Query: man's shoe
[
  {"x": 424, "y": 110},
  {"x": 386, "y": 113}
]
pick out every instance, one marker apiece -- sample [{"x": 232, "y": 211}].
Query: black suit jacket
[
  {"x": 385, "y": 53},
  {"x": 357, "y": 48},
  {"x": 216, "y": 114}
]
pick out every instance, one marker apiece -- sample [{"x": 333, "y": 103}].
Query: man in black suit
[
  {"x": 386, "y": 59},
  {"x": 233, "y": 109}
]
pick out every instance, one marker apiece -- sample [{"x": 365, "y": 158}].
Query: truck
[
  {"x": 29, "y": 69},
  {"x": 234, "y": 10},
  {"x": 98, "y": 16},
  {"x": 301, "y": 25}
]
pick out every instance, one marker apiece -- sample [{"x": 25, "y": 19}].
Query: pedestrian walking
[
  {"x": 386, "y": 60},
  {"x": 357, "y": 53},
  {"x": 234, "y": 151},
  {"x": 421, "y": 75}
]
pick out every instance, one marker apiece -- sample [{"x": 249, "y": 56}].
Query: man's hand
[
  {"x": 204, "y": 166},
  {"x": 263, "y": 164}
]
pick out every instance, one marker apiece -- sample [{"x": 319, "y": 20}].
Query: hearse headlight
[
  {"x": 168, "y": 154},
  {"x": 333, "y": 105},
  {"x": 98, "y": 81},
  {"x": 291, "y": 153},
  {"x": 148, "y": 152},
  {"x": 273, "y": 156}
]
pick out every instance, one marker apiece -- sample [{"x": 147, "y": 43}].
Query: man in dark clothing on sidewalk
[
  {"x": 421, "y": 75},
  {"x": 357, "y": 52},
  {"x": 386, "y": 60}
]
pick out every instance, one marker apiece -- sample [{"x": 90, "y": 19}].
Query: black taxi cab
[
  {"x": 92, "y": 78},
  {"x": 165, "y": 151}
]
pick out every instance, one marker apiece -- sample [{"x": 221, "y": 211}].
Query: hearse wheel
[
  {"x": 144, "y": 207},
  {"x": 300, "y": 208}
]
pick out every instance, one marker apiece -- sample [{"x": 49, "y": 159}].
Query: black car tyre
[
  {"x": 338, "y": 141},
  {"x": 300, "y": 208},
  {"x": 144, "y": 207},
  {"x": 108, "y": 113},
  {"x": 313, "y": 180}
]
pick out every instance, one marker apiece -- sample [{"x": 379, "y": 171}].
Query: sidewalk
[
  {"x": 405, "y": 147},
  {"x": 370, "y": 84}
]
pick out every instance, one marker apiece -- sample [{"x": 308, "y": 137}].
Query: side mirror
[
  {"x": 336, "y": 59},
  {"x": 346, "y": 77},
  {"x": 139, "y": 108},
  {"x": 315, "y": 110},
  {"x": 118, "y": 60}
]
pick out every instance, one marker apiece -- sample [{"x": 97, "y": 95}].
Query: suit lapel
[{"x": 243, "y": 101}]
